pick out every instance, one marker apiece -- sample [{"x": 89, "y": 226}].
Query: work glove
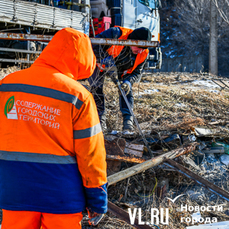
[
  {"x": 107, "y": 62},
  {"x": 126, "y": 86},
  {"x": 94, "y": 217}
]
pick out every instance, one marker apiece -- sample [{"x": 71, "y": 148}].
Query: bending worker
[
  {"x": 52, "y": 155},
  {"x": 129, "y": 62}
]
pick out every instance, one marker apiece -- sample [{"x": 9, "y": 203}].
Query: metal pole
[
  {"x": 116, "y": 81},
  {"x": 101, "y": 41},
  {"x": 28, "y": 46},
  {"x": 211, "y": 187},
  {"x": 123, "y": 215}
]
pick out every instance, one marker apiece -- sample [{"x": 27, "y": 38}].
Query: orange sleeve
[{"x": 89, "y": 145}]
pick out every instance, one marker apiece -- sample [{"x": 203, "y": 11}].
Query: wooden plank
[
  {"x": 134, "y": 149},
  {"x": 133, "y": 152},
  {"x": 135, "y": 146},
  {"x": 150, "y": 163}
]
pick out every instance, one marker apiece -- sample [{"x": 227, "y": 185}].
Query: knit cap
[{"x": 141, "y": 34}]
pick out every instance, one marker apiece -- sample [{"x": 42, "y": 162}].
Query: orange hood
[{"x": 70, "y": 52}]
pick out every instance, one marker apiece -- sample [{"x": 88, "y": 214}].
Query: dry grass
[
  {"x": 171, "y": 103},
  {"x": 5, "y": 71}
]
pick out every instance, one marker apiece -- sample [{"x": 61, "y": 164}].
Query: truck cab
[
  {"x": 145, "y": 13},
  {"x": 142, "y": 13}
]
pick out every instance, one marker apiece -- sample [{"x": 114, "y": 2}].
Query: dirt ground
[{"x": 167, "y": 104}]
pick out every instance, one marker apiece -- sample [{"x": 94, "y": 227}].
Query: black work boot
[
  {"x": 103, "y": 123},
  {"x": 128, "y": 124}
]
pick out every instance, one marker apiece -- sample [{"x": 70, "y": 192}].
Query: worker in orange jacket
[
  {"x": 129, "y": 62},
  {"x": 52, "y": 155}
]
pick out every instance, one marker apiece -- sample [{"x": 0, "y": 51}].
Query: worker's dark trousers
[{"x": 96, "y": 81}]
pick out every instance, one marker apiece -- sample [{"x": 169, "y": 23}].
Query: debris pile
[{"x": 175, "y": 110}]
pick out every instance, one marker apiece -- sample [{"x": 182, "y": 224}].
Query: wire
[{"x": 151, "y": 193}]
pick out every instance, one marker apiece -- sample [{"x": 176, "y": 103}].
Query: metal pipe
[
  {"x": 211, "y": 187},
  {"x": 140, "y": 43},
  {"x": 19, "y": 50},
  {"x": 16, "y": 61},
  {"x": 28, "y": 45},
  {"x": 25, "y": 37},
  {"x": 123, "y": 215},
  {"x": 101, "y": 41},
  {"x": 117, "y": 82}
]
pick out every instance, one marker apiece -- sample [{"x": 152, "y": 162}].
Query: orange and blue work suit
[
  {"x": 129, "y": 67},
  {"x": 52, "y": 154}
]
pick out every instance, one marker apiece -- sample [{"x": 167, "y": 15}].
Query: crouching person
[{"x": 129, "y": 62}]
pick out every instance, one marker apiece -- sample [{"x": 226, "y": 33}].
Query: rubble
[{"x": 173, "y": 111}]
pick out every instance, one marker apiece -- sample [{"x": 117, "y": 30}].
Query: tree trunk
[{"x": 213, "y": 46}]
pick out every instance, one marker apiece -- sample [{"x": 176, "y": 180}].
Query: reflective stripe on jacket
[
  {"x": 52, "y": 154},
  {"x": 115, "y": 50}
]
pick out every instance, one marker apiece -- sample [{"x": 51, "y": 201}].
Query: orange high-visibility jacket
[
  {"x": 52, "y": 154},
  {"x": 115, "y": 50}
]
